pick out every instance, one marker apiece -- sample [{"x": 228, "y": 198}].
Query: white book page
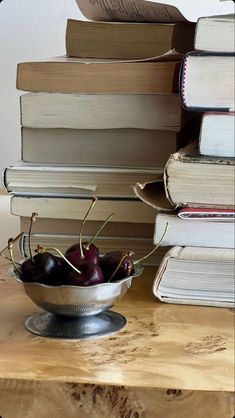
[
  {"x": 153, "y": 11},
  {"x": 130, "y": 10}
]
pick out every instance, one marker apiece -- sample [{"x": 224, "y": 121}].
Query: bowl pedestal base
[{"x": 49, "y": 325}]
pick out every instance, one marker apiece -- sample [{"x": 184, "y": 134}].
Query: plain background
[{"x": 34, "y": 29}]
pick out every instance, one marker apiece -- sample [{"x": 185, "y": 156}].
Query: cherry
[
  {"x": 41, "y": 268},
  {"x": 90, "y": 275},
  {"x": 116, "y": 265},
  {"x": 73, "y": 254},
  {"x": 80, "y": 252}
]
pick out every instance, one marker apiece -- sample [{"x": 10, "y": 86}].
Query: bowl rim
[{"x": 137, "y": 272}]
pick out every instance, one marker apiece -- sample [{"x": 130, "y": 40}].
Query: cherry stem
[
  {"x": 62, "y": 255},
  {"x": 94, "y": 200},
  {"x": 10, "y": 249},
  {"x": 6, "y": 248},
  {"x": 158, "y": 244},
  {"x": 98, "y": 232},
  {"x": 32, "y": 220},
  {"x": 130, "y": 253}
]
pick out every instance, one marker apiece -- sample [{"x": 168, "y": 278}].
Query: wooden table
[{"x": 169, "y": 362}]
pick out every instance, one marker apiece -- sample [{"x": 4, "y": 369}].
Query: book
[
  {"x": 140, "y": 246},
  {"x": 207, "y": 214},
  {"x": 150, "y": 11},
  {"x": 112, "y": 229},
  {"x": 102, "y": 111},
  {"x": 76, "y": 75},
  {"x": 215, "y": 34},
  {"x": 132, "y": 211},
  {"x": 132, "y": 41},
  {"x": 130, "y": 148},
  {"x": 207, "y": 81},
  {"x": 196, "y": 276},
  {"x": 217, "y": 134},
  {"x": 196, "y": 180},
  {"x": 191, "y": 233},
  {"x": 61, "y": 180}
]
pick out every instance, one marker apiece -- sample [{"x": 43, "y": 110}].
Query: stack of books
[
  {"x": 96, "y": 122},
  {"x": 199, "y": 179}
]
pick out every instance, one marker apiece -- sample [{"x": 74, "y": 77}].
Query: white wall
[
  {"x": 32, "y": 29},
  {"x": 29, "y": 29}
]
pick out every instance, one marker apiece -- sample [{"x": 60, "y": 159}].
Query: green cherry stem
[
  {"x": 10, "y": 249},
  {"x": 129, "y": 254},
  {"x": 62, "y": 255},
  {"x": 98, "y": 232},
  {"x": 6, "y": 248},
  {"x": 94, "y": 200},
  {"x": 157, "y": 246},
  {"x": 32, "y": 220}
]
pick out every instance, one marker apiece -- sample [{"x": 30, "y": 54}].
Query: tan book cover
[
  {"x": 130, "y": 41},
  {"x": 74, "y": 75}
]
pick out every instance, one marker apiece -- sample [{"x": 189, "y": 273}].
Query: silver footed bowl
[{"x": 78, "y": 300}]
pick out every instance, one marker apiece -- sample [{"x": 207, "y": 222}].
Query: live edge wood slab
[{"x": 169, "y": 362}]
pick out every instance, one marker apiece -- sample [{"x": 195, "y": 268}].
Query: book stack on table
[
  {"x": 96, "y": 122},
  {"x": 199, "y": 179}
]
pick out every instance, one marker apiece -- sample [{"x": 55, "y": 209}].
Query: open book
[
  {"x": 196, "y": 276},
  {"x": 150, "y": 11}
]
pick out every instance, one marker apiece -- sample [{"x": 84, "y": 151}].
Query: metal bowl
[{"x": 78, "y": 300}]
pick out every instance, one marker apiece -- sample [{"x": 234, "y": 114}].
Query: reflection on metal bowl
[{"x": 78, "y": 300}]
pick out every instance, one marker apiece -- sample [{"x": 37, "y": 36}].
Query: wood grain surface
[{"x": 169, "y": 361}]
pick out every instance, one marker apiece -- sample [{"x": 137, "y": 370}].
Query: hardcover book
[
  {"x": 217, "y": 134},
  {"x": 215, "y": 34},
  {"x": 196, "y": 276},
  {"x": 66, "y": 180},
  {"x": 192, "y": 233},
  {"x": 193, "y": 180},
  {"x": 207, "y": 81}
]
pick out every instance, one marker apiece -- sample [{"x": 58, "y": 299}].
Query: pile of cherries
[{"x": 81, "y": 265}]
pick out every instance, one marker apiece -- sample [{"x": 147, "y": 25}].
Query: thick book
[
  {"x": 58, "y": 180},
  {"x": 196, "y": 276},
  {"x": 191, "y": 233},
  {"x": 77, "y": 75},
  {"x": 130, "y": 148},
  {"x": 133, "y": 211},
  {"x": 207, "y": 214},
  {"x": 207, "y": 81},
  {"x": 217, "y": 134},
  {"x": 215, "y": 34},
  {"x": 149, "y": 11},
  {"x": 102, "y": 111},
  {"x": 139, "y": 246},
  {"x": 60, "y": 226},
  {"x": 193, "y": 180},
  {"x": 132, "y": 41}
]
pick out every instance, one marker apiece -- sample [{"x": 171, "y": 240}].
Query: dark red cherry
[
  {"x": 73, "y": 254},
  {"x": 91, "y": 274},
  {"x": 109, "y": 264},
  {"x": 41, "y": 268}
]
